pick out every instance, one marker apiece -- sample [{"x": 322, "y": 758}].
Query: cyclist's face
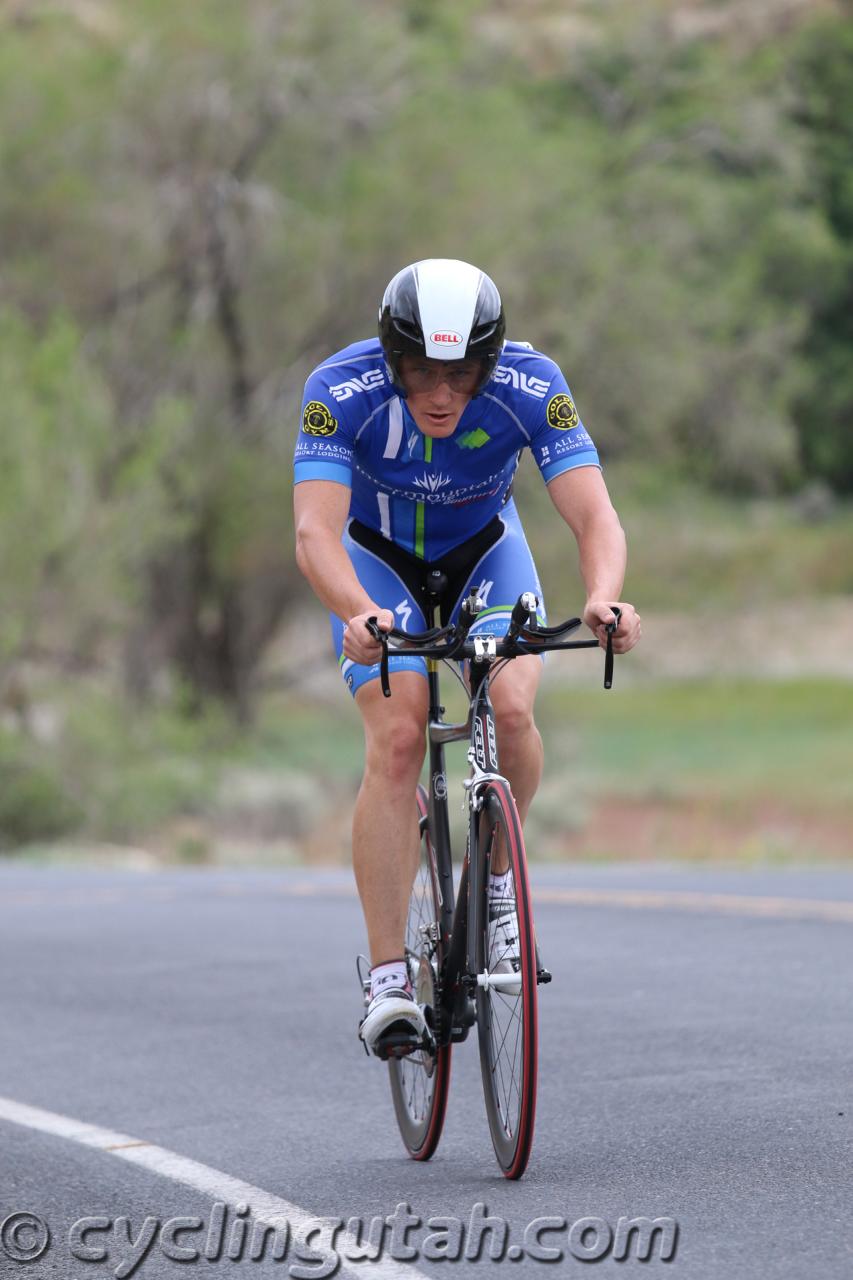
[{"x": 438, "y": 391}]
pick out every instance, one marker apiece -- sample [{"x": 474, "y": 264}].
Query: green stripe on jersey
[{"x": 420, "y": 508}]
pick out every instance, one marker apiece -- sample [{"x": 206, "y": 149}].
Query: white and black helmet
[{"x": 443, "y": 309}]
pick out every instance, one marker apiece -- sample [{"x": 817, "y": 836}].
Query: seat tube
[
  {"x": 439, "y": 822},
  {"x": 484, "y": 745}
]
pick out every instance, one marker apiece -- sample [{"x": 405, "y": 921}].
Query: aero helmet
[{"x": 443, "y": 309}]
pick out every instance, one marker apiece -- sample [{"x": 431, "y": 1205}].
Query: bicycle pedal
[
  {"x": 397, "y": 1044},
  {"x": 543, "y": 975}
]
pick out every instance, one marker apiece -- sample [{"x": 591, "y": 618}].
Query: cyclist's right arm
[{"x": 321, "y": 508}]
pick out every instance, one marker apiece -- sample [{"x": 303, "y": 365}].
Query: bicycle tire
[
  {"x": 507, "y": 1019},
  {"x": 419, "y": 1082}
]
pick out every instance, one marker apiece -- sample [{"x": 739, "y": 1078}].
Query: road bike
[{"x": 472, "y": 957}]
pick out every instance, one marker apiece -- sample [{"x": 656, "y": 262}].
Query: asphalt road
[{"x": 696, "y": 1049}]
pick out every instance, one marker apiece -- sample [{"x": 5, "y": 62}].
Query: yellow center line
[
  {"x": 717, "y": 903},
  {"x": 733, "y": 904}
]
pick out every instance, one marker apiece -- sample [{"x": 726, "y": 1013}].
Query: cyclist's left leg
[
  {"x": 500, "y": 576},
  {"x": 520, "y": 749}
]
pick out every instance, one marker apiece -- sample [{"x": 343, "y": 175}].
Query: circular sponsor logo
[
  {"x": 446, "y": 337},
  {"x": 317, "y": 420},
  {"x": 562, "y": 413}
]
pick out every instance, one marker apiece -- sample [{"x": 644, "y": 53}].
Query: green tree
[
  {"x": 823, "y": 80},
  {"x": 215, "y": 195}
]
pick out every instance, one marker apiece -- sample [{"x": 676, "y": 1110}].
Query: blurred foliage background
[{"x": 200, "y": 202}]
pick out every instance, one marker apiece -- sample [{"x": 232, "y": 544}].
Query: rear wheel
[
  {"x": 506, "y": 986},
  {"x": 420, "y": 1080}
]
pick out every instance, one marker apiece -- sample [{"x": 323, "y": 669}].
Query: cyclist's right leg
[
  {"x": 385, "y": 831},
  {"x": 385, "y": 836}
]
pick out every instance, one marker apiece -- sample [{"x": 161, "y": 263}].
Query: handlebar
[{"x": 523, "y": 636}]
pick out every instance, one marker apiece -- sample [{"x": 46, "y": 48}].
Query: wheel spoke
[
  {"x": 502, "y": 1058},
  {"x": 419, "y": 1080},
  {"x": 507, "y": 1044}
]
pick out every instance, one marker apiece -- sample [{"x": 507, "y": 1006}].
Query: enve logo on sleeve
[
  {"x": 562, "y": 413},
  {"x": 317, "y": 420},
  {"x": 367, "y": 382},
  {"x": 537, "y": 387}
]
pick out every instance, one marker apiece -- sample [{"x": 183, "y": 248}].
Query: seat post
[{"x": 436, "y": 585}]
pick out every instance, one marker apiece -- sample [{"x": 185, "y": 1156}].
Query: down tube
[
  {"x": 484, "y": 743},
  {"x": 439, "y": 823}
]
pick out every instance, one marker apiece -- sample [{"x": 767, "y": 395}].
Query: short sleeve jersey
[{"x": 423, "y": 493}]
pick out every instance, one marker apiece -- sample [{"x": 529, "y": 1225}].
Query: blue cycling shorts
[{"x": 497, "y": 561}]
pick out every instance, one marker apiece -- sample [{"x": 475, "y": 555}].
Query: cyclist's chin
[{"x": 437, "y": 423}]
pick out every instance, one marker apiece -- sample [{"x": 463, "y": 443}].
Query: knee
[
  {"x": 396, "y": 753},
  {"x": 514, "y": 721}
]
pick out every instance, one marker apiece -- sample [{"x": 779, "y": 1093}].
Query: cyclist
[{"x": 404, "y": 463}]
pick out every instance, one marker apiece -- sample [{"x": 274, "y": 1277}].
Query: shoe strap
[{"x": 401, "y": 993}]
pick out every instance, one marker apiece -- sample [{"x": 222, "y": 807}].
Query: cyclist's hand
[
  {"x": 359, "y": 645},
  {"x": 598, "y": 613}
]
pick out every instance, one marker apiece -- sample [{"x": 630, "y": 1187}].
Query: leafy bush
[
  {"x": 33, "y": 805},
  {"x": 670, "y": 217}
]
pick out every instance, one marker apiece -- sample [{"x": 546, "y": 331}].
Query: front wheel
[
  {"x": 506, "y": 984},
  {"x": 419, "y": 1082}
]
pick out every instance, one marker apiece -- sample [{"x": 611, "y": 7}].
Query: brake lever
[
  {"x": 611, "y": 628},
  {"x": 376, "y": 631}
]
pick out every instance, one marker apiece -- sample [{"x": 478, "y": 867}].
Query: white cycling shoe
[
  {"x": 504, "y": 955},
  {"x": 394, "y": 1024}
]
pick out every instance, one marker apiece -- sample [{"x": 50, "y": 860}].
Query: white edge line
[{"x": 266, "y": 1208}]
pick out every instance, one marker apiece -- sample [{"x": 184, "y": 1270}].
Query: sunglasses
[{"x": 462, "y": 377}]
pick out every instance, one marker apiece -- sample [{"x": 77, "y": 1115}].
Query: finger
[
  {"x": 360, "y": 651},
  {"x": 603, "y": 617},
  {"x": 627, "y": 641}
]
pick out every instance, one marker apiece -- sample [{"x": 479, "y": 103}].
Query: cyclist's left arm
[{"x": 580, "y": 495}]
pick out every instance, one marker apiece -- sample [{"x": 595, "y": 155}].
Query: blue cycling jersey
[{"x": 423, "y": 493}]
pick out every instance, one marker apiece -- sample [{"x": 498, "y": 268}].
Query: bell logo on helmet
[{"x": 447, "y": 337}]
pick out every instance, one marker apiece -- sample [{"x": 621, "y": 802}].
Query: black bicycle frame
[
  {"x": 460, "y": 924},
  {"x": 459, "y": 915}
]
